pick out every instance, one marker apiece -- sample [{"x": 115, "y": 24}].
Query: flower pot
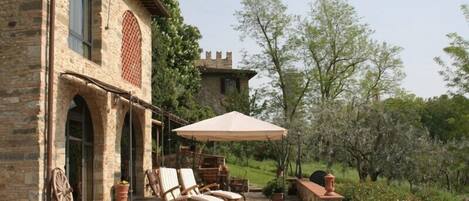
[
  {"x": 277, "y": 197},
  {"x": 122, "y": 192}
]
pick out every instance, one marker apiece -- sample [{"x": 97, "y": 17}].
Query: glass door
[{"x": 79, "y": 150}]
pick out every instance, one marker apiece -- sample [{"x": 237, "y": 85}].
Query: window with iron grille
[
  {"x": 79, "y": 38},
  {"x": 131, "y": 54}
]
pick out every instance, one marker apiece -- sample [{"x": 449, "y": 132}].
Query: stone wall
[
  {"x": 22, "y": 29},
  {"x": 210, "y": 93},
  {"x": 218, "y": 62},
  {"x": 22, "y": 94}
]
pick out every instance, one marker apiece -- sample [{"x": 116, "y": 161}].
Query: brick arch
[{"x": 131, "y": 51}]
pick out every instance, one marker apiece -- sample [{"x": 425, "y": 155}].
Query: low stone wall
[{"x": 310, "y": 191}]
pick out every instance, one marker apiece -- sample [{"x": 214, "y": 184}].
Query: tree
[
  {"x": 335, "y": 45},
  {"x": 175, "y": 79},
  {"x": 384, "y": 72},
  {"x": 446, "y": 117},
  {"x": 456, "y": 74},
  {"x": 372, "y": 137},
  {"x": 266, "y": 22}
]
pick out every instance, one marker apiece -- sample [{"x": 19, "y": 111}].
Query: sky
[{"x": 418, "y": 26}]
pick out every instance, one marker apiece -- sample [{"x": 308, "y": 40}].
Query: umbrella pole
[
  {"x": 162, "y": 142},
  {"x": 193, "y": 153},
  {"x": 169, "y": 135},
  {"x": 283, "y": 163}
]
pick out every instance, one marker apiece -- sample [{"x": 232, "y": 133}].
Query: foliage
[
  {"x": 456, "y": 74},
  {"x": 383, "y": 72},
  {"x": 175, "y": 80},
  {"x": 276, "y": 185},
  {"x": 334, "y": 45},
  {"x": 373, "y": 138},
  {"x": 376, "y": 191},
  {"x": 267, "y": 23},
  {"x": 446, "y": 117}
]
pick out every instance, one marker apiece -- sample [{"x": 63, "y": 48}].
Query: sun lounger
[
  {"x": 170, "y": 188},
  {"x": 190, "y": 185}
]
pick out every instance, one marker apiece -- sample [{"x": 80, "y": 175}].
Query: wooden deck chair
[
  {"x": 153, "y": 183},
  {"x": 170, "y": 188},
  {"x": 189, "y": 184}
]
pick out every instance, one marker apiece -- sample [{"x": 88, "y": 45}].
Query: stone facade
[
  {"x": 213, "y": 71},
  {"x": 23, "y": 48}
]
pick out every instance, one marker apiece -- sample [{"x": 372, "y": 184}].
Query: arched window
[
  {"x": 79, "y": 149},
  {"x": 131, "y": 53}
]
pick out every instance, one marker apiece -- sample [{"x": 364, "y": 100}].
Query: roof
[
  {"x": 155, "y": 7},
  {"x": 232, "y": 126},
  {"x": 242, "y": 72}
]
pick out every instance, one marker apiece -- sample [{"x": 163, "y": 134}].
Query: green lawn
[
  {"x": 260, "y": 172},
  {"x": 257, "y": 177}
]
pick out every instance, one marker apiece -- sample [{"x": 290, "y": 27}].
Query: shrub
[
  {"x": 433, "y": 194},
  {"x": 372, "y": 191},
  {"x": 276, "y": 185}
]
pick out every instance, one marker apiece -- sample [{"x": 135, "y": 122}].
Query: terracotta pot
[
  {"x": 122, "y": 192},
  {"x": 277, "y": 197}
]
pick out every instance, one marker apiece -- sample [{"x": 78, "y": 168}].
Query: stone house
[
  {"x": 68, "y": 70},
  {"x": 220, "y": 79}
]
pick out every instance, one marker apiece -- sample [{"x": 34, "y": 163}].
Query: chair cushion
[
  {"x": 205, "y": 198},
  {"x": 169, "y": 180},
  {"x": 188, "y": 180},
  {"x": 226, "y": 194}
]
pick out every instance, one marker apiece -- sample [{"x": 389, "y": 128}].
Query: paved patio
[{"x": 258, "y": 196}]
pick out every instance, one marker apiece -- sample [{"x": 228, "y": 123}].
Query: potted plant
[
  {"x": 122, "y": 190},
  {"x": 275, "y": 189}
]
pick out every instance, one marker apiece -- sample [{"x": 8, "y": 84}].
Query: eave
[
  {"x": 225, "y": 71},
  {"x": 155, "y": 7}
]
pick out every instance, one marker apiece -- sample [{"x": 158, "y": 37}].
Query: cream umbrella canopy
[{"x": 232, "y": 126}]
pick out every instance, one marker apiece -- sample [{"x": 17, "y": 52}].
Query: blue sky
[{"x": 418, "y": 26}]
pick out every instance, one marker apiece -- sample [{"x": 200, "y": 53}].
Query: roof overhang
[
  {"x": 240, "y": 72},
  {"x": 155, "y": 7},
  {"x": 70, "y": 75}
]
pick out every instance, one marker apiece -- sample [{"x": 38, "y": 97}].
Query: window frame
[
  {"x": 223, "y": 87},
  {"x": 81, "y": 37}
]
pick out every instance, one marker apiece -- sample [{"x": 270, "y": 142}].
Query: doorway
[
  {"x": 79, "y": 149},
  {"x": 126, "y": 151}
]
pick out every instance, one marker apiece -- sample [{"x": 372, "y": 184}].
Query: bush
[
  {"x": 372, "y": 191},
  {"x": 434, "y": 194},
  {"x": 276, "y": 185}
]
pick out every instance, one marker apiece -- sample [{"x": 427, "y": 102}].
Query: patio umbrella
[{"x": 232, "y": 126}]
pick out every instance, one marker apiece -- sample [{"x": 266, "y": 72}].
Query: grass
[
  {"x": 257, "y": 177},
  {"x": 260, "y": 172}
]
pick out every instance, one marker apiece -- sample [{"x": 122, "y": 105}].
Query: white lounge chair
[
  {"x": 189, "y": 184},
  {"x": 170, "y": 188}
]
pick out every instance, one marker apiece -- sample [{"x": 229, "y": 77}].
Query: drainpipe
[{"x": 50, "y": 96}]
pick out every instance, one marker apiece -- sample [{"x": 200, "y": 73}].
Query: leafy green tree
[
  {"x": 371, "y": 137},
  {"x": 456, "y": 74},
  {"x": 383, "y": 73},
  {"x": 446, "y": 117},
  {"x": 334, "y": 45},
  {"x": 175, "y": 79},
  {"x": 266, "y": 22}
]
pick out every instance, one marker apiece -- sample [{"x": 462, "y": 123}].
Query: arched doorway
[
  {"x": 125, "y": 150},
  {"x": 79, "y": 149}
]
